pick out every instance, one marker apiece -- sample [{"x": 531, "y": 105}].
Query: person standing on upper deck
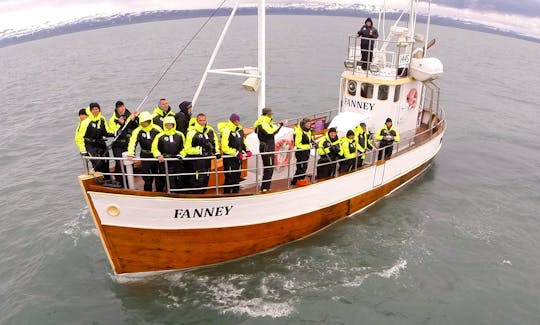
[
  {"x": 266, "y": 131},
  {"x": 367, "y": 33},
  {"x": 160, "y": 111},
  {"x": 386, "y": 137}
]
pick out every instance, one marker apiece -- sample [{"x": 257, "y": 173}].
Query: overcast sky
[{"x": 522, "y": 16}]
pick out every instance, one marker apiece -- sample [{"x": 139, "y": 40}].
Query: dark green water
[{"x": 459, "y": 245}]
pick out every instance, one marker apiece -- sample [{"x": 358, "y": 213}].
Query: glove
[
  {"x": 249, "y": 154},
  {"x": 326, "y": 144},
  {"x": 334, "y": 149},
  {"x": 240, "y": 155},
  {"x": 204, "y": 151},
  {"x": 85, "y": 154},
  {"x": 218, "y": 156},
  {"x": 179, "y": 157}
]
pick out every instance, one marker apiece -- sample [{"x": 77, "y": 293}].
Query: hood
[
  {"x": 263, "y": 119},
  {"x": 228, "y": 124},
  {"x": 369, "y": 19},
  {"x": 169, "y": 120},
  {"x": 184, "y": 107}
]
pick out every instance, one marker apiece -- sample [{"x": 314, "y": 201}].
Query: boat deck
[{"x": 250, "y": 183}]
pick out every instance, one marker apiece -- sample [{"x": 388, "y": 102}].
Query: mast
[{"x": 261, "y": 49}]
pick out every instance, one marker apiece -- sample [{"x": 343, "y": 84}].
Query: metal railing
[
  {"x": 252, "y": 185},
  {"x": 390, "y": 59}
]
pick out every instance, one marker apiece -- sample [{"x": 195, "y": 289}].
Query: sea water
[{"x": 459, "y": 245}]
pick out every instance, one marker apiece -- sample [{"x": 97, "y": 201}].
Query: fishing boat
[{"x": 143, "y": 231}]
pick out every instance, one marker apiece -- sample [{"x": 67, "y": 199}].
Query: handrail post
[
  {"x": 167, "y": 181},
  {"x": 217, "y": 174},
  {"x": 289, "y": 164},
  {"x": 312, "y": 180},
  {"x": 123, "y": 169},
  {"x": 257, "y": 172}
]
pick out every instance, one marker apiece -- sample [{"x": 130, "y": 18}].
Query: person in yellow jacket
[
  {"x": 351, "y": 152},
  {"x": 201, "y": 141},
  {"x": 161, "y": 111},
  {"x": 233, "y": 144},
  {"x": 386, "y": 136},
  {"x": 328, "y": 150},
  {"x": 144, "y": 135},
  {"x": 266, "y": 131},
  {"x": 90, "y": 138},
  {"x": 169, "y": 144},
  {"x": 363, "y": 138},
  {"x": 302, "y": 142}
]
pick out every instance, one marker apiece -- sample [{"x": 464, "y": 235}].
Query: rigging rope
[{"x": 179, "y": 54}]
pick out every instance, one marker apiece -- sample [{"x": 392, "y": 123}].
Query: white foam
[{"x": 394, "y": 271}]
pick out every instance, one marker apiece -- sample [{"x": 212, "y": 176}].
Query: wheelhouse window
[
  {"x": 397, "y": 90},
  {"x": 383, "y": 92},
  {"x": 351, "y": 87},
  {"x": 366, "y": 90}
]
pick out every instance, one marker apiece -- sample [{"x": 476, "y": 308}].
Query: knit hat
[
  {"x": 388, "y": 120},
  {"x": 234, "y": 117},
  {"x": 184, "y": 106},
  {"x": 92, "y": 105},
  {"x": 330, "y": 130},
  {"x": 363, "y": 124},
  {"x": 267, "y": 111},
  {"x": 349, "y": 133},
  {"x": 82, "y": 111}
]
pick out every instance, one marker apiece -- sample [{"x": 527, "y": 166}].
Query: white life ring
[{"x": 283, "y": 144}]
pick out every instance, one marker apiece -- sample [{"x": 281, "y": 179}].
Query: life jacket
[
  {"x": 201, "y": 140},
  {"x": 302, "y": 137},
  {"x": 266, "y": 130},
  {"x": 144, "y": 137},
  {"x": 232, "y": 138},
  {"x": 158, "y": 115}
]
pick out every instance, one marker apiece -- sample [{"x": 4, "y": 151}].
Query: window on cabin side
[
  {"x": 383, "y": 92},
  {"x": 397, "y": 90},
  {"x": 366, "y": 90}
]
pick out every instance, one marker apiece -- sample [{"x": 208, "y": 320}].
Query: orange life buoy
[
  {"x": 283, "y": 144},
  {"x": 412, "y": 97}
]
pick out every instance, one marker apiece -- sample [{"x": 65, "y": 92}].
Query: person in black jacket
[
  {"x": 266, "y": 131},
  {"x": 367, "y": 33},
  {"x": 90, "y": 138},
  {"x": 183, "y": 117},
  {"x": 117, "y": 123}
]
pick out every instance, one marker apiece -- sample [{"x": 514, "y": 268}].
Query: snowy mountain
[{"x": 48, "y": 29}]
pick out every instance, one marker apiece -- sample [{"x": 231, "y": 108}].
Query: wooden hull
[{"x": 147, "y": 232}]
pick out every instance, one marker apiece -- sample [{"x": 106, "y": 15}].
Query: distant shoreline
[{"x": 151, "y": 16}]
